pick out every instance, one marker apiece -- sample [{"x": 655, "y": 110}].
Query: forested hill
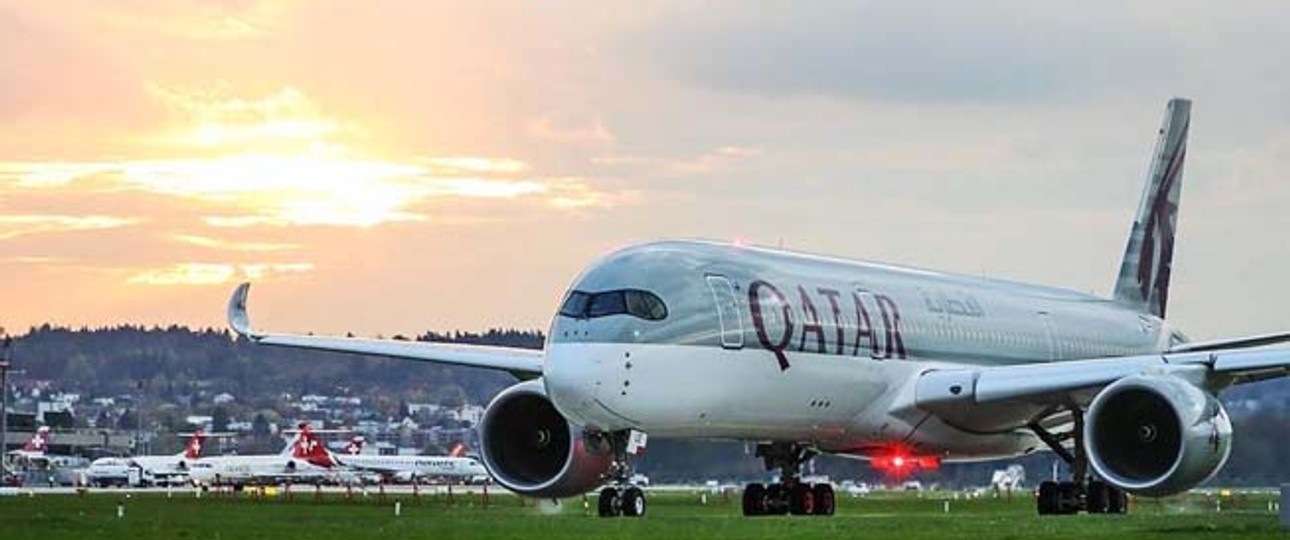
[{"x": 176, "y": 363}]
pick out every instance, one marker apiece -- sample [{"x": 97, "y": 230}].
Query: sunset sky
[{"x": 399, "y": 166}]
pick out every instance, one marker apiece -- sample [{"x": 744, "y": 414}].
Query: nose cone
[
  {"x": 577, "y": 377},
  {"x": 571, "y": 381}
]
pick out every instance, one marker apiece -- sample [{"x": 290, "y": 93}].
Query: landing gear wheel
[
  {"x": 1097, "y": 499},
  {"x": 633, "y": 502},
  {"x": 1068, "y": 498},
  {"x": 1117, "y": 502},
  {"x": 825, "y": 504},
  {"x": 801, "y": 500},
  {"x": 776, "y": 500},
  {"x": 754, "y": 500},
  {"x": 607, "y": 505},
  {"x": 1047, "y": 500}
]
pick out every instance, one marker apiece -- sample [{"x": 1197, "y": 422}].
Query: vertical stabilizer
[
  {"x": 193, "y": 450},
  {"x": 1144, "y": 274}
]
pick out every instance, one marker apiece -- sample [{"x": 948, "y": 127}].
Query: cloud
[
  {"x": 12, "y": 226},
  {"x": 714, "y": 160},
  {"x": 906, "y": 51},
  {"x": 199, "y": 20},
  {"x": 577, "y": 193},
  {"x": 570, "y": 131},
  {"x": 304, "y": 190},
  {"x": 215, "y": 273},
  {"x": 228, "y": 245}
]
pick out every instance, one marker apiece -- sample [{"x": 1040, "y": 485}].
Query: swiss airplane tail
[
  {"x": 309, "y": 448},
  {"x": 193, "y": 449},
  {"x": 355, "y": 445},
  {"x": 39, "y": 442},
  {"x": 1143, "y": 282},
  {"x": 458, "y": 450}
]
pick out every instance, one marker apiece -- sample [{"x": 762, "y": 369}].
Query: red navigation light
[{"x": 898, "y": 463}]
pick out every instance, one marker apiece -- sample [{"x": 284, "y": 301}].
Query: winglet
[{"x": 237, "y": 317}]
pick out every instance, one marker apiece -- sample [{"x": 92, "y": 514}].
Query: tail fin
[
  {"x": 458, "y": 450},
  {"x": 355, "y": 445},
  {"x": 1143, "y": 282},
  {"x": 297, "y": 440},
  {"x": 309, "y": 448},
  {"x": 194, "y": 448},
  {"x": 39, "y": 442}
]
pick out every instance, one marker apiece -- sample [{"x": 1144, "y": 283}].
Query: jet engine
[
  {"x": 1156, "y": 435},
  {"x": 530, "y": 448}
]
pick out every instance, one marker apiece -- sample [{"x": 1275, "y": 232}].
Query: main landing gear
[
  {"x": 620, "y": 498},
  {"x": 790, "y": 495},
  {"x": 1081, "y": 493}
]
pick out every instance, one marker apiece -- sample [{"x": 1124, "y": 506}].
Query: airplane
[
  {"x": 155, "y": 469},
  {"x": 805, "y": 354},
  {"x": 304, "y": 458},
  {"x": 36, "y": 446},
  {"x": 455, "y": 466},
  {"x": 35, "y": 453}
]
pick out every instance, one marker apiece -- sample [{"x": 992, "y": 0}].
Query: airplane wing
[
  {"x": 524, "y": 363},
  {"x": 959, "y": 394}
]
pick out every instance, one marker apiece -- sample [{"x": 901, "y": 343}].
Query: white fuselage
[
  {"x": 770, "y": 345},
  {"x": 161, "y": 466},
  {"x": 415, "y": 467},
  {"x": 254, "y": 469},
  {"x": 109, "y": 470}
]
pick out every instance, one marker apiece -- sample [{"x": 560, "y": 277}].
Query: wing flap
[{"x": 522, "y": 362}]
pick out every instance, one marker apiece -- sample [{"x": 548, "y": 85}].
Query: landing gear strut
[
  {"x": 620, "y": 497},
  {"x": 790, "y": 495},
  {"x": 1080, "y": 493}
]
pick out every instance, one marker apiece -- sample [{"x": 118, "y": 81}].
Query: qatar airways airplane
[{"x": 806, "y": 355}]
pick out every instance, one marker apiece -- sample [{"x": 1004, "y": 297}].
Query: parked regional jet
[
  {"x": 805, "y": 354},
  {"x": 304, "y": 458},
  {"x": 172, "y": 468},
  {"x": 454, "y": 467},
  {"x": 34, "y": 454}
]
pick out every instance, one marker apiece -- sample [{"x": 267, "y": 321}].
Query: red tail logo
[
  {"x": 355, "y": 445},
  {"x": 39, "y": 442},
  {"x": 194, "y": 448},
  {"x": 310, "y": 449},
  {"x": 458, "y": 450}
]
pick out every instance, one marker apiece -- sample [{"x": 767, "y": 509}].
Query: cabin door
[{"x": 732, "y": 326}]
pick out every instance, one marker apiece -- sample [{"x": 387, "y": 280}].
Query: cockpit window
[
  {"x": 575, "y": 305},
  {"x": 606, "y": 303},
  {"x": 637, "y": 303},
  {"x": 646, "y": 306}
]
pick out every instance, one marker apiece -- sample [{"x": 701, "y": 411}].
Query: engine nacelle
[
  {"x": 530, "y": 448},
  {"x": 1156, "y": 435}
]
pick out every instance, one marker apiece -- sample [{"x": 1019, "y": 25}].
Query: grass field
[{"x": 671, "y": 515}]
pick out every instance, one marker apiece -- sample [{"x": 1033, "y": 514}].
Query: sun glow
[{"x": 277, "y": 161}]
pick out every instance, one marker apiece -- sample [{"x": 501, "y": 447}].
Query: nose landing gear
[
  {"x": 620, "y": 498},
  {"x": 790, "y": 495}
]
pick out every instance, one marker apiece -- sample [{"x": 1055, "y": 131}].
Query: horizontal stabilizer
[{"x": 1260, "y": 340}]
